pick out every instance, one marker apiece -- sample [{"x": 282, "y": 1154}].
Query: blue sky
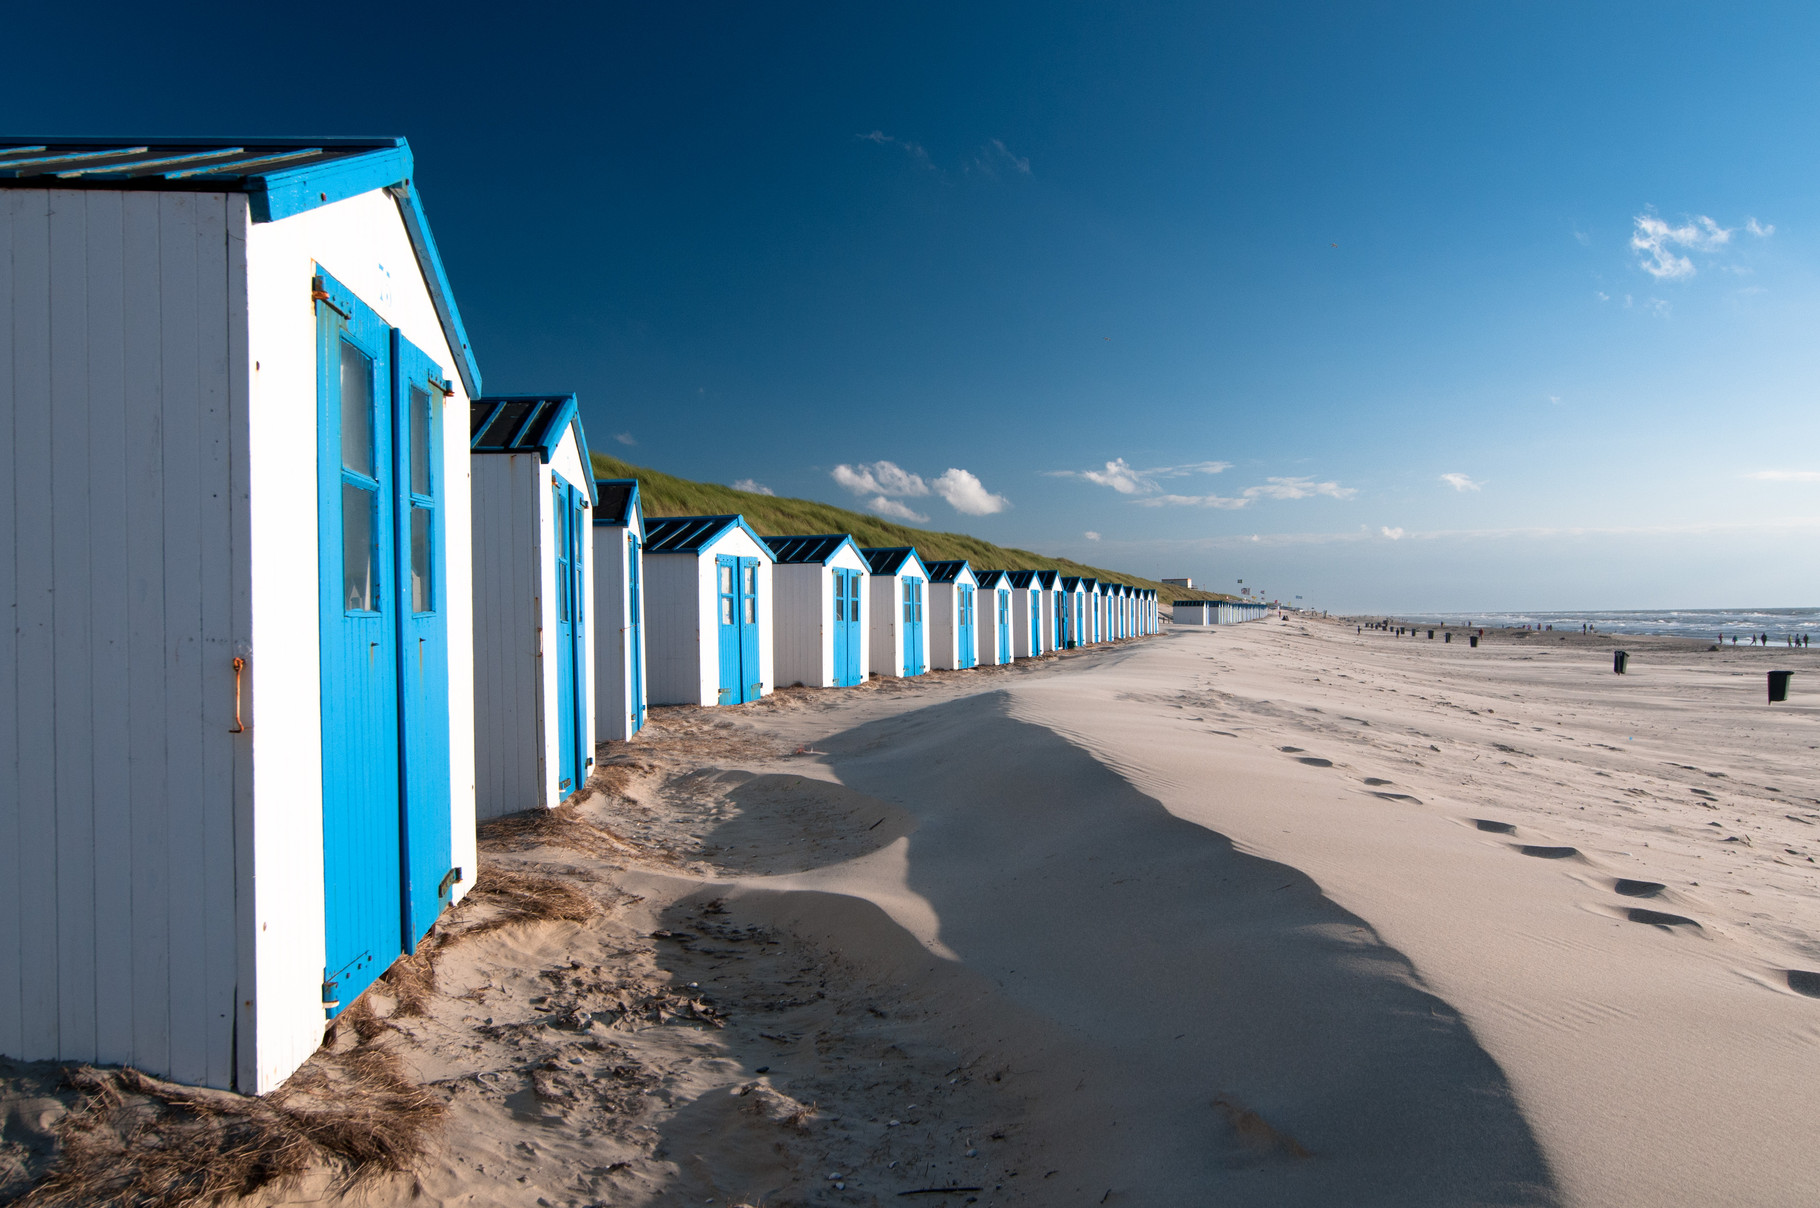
[{"x": 1434, "y": 307}]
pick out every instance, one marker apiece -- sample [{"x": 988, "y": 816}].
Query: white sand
[{"x": 1084, "y": 932}]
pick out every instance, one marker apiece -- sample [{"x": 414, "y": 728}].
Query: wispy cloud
[
  {"x": 880, "y": 478},
  {"x": 1461, "y": 482},
  {"x": 896, "y": 510},
  {"x": 1662, "y": 248},
  {"x": 1785, "y": 475},
  {"x": 916, "y": 151},
  {"x": 1091, "y": 535},
  {"x": 1126, "y": 479},
  {"x": 1395, "y": 534},
  {"x": 966, "y": 494},
  {"x": 1299, "y": 488},
  {"x": 995, "y": 157},
  {"x": 624, "y": 438},
  {"x": 1227, "y": 502},
  {"x": 753, "y": 487}
]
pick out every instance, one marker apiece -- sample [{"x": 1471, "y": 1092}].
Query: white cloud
[
  {"x": 1091, "y": 535},
  {"x": 1461, "y": 482},
  {"x": 995, "y": 156},
  {"x": 1395, "y": 534},
  {"x": 1656, "y": 240},
  {"x": 1124, "y": 478},
  {"x": 1298, "y": 488},
  {"x": 896, "y": 510},
  {"x": 915, "y": 151},
  {"x": 1785, "y": 475},
  {"x": 1195, "y": 501},
  {"x": 966, "y": 493},
  {"x": 879, "y": 478},
  {"x": 625, "y": 438},
  {"x": 753, "y": 487},
  {"x": 1760, "y": 231}
]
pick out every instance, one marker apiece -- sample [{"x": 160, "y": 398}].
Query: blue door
[
  {"x": 571, "y": 721},
  {"x": 751, "y": 678},
  {"x": 913, "y": 625},
  {"x": 966, "y": 625},
  {"x": 726, "y": 588},
  {"x": 423, "y": 664},
  {"x": 847, "y": 633},
  {"x": 358, "y": 599},
  {"x": 1059, "y": 624},
  {"x": 1004, "y": 627},
  {"x": 635, "y": 631}
]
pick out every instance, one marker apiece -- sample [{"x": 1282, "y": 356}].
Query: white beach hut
[
  {"x": 618, "y": 639},
  {"x": 953, "y": 615},
  {"x": 899, "y": 640},
  {"x": 1195, "y": 612},
  {"x": 1054, "y": 610},
  {"x": 707, "y": 588},
  {"x": 1074, "y": 612},
  {"x": 819, "y": 610},
  {"x": 1093, "y": 629},
  {"x": 533, "y": 602},
  {"x": 997, "y": 645},
  {"x": 1026, "y": 614},
  {"x": 236, "y": 731}
]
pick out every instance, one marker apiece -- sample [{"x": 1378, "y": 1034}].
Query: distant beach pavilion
[
  {"x": 899, "y": 641},
  {"x": 619, "y": 610},
  {"x": 238, "y": 661},
  {"x": 953, "y": 615},
  {"x": 996, "y": 644},
  {"x": 1026, "y": 613},
  {"x": 819, "y": 609},
  {"x": 707, "y": 589},
  {"x": 533, "y": 602}
]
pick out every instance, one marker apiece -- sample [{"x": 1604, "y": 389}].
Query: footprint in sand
[
  {"x": 1498, "y": 828},
  {"x": 1803, "y": 982},
  {"x": 1398, "y": 797},
  {"x": 1542, "y": 852},
  {"x": 1291, "y": 750},
  {"x": 1315, "y": 761},
  {"x": 1638, "y": 889},
  {"x": 1637, "y": 914},
  {"x": 1376, "y": 781}
]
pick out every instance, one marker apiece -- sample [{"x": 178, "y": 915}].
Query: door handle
[{"x": 239, "y": 666}]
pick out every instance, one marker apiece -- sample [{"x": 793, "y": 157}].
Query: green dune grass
[{"x": 775, "y": 516}]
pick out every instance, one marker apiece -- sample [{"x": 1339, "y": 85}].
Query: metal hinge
[
  {"x": 329, "y": 999},
  {"x": 450, "y": 879},
  {"x": 319, "y": 291}
]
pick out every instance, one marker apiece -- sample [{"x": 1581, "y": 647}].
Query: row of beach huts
[{"x": 280, "y": 635}]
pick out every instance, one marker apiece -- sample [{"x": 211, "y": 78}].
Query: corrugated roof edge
[
  {"x": 839, "y": 539},
  {"x": 658, "y": 524},
  {"x": 883, "y": 566}
]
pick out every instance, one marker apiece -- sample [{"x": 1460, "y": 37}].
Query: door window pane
[
  {"x": 751, "y": 580},
  {"x": 726, "y": 580},
  {"x": 356, "y": 410},
  {"x": 420, "y": 441},
  {"x": 726, "y": 610},
  {"x": 420, "y": 560},
  {"x": 751, "y": 610},
  {"x": 359, "y": 560}
]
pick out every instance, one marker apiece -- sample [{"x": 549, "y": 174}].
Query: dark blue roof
[
  {"x": 816, "y": 549},
  {"x": 693, "y": 534},
  {"x": 888, "y": 560},
  {"x": 615, "y": 500},
  {"x": 280, "y": 176},
  {"x": 1071, "y": 583},
  {"x": 946, "y": 570},
  {"x": 1047, "y": 579},
  {"x": 992, "y": 578},
  {"x": 1023, "y": 578},
  {"x": 526, "y": 423}
]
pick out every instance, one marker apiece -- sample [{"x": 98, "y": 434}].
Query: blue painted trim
[
  {"x": 410, "y": 207},
  {"x": 634, "y": 504},
  {"x": 284, "y": 192},
  {"x": 710, "y": 538}
]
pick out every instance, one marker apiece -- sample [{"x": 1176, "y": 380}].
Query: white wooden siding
[
  {"x": 117, "y": 817},
  {"x": 674, "y": 623},
  {"x": 885, "y": 642},
  {"x": 613, "y": 630},
  {"x": 802, "y": 619},
  {"x": 510, "y": 502}
]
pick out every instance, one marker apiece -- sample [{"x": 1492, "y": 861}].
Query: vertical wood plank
[
  {"x": 183, "y": 589},
  {"x": 106, "y": 553},
  {"x": 145, "y": 778},
  {"x": 245, "y": 1041},
  {"x": 12, "y": 1036},
  {"x": 37, "y": 883},
  {"x": 215, "y": 678}
]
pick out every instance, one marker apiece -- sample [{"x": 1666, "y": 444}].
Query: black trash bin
[
  {"x": 1620, "y": 659},
  {"x": 1778, "y": 686},
  {"x": 1472, "y": 639},
  {"x": 1431, "y": 635},
  {"x": 1447, "y": 637}
]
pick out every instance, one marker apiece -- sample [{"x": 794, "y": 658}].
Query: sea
[{"x": 1704, "y": 624}]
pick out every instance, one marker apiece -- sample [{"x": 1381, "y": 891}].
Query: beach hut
[
  {"x": 619, "y": 610},
  {"x": 1195, "y": 612},
  {"x": 707, "y": 589},
  {"x": 899, "y": 639},
  {"x": 1026, "y": 614},
  {"x": 953, "y": 615},
  {"x": 996, "y": 644},
  {"x": 1055, "y": 610},
  {"x": 1074, "y": 611},
  {"x": 533, "y": 601},
  {"x": 818, "y": 611},
  {"x": 236, "y": 737}
]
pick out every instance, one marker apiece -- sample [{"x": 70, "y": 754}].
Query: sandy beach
[{"x": 1271, "y": 914}]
